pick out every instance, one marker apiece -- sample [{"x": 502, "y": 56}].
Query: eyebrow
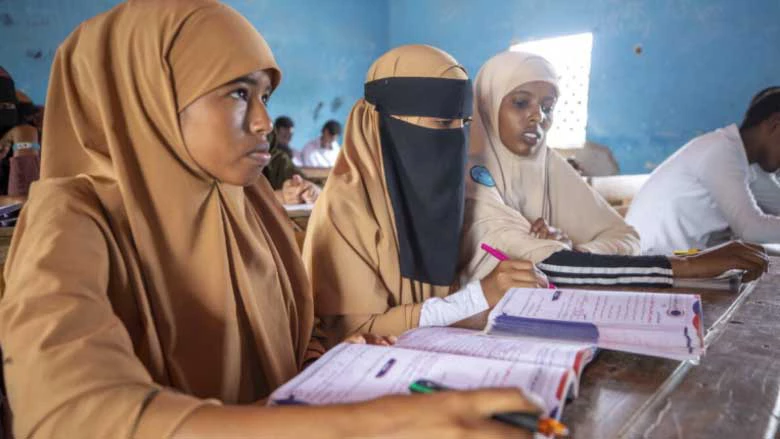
[
  {"x": 527, "y": 94},
  {"x": 248, "y": 80}
]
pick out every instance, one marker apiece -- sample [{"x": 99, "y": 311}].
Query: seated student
[
  {"x": 765, "y": 187},
  {"x": 322, "y": 151},
  {"x": 527, "y": 201},
  {"x": 19, "y": 139},
  {"x": 153, "y": 288},
  {"x": 281, "y": 167},
  {"x": 286, "y": 179},
  {"x": 713, "y": 188},
  {"x": 284, "y": 128},
  {"x": 382, "y": 242}
]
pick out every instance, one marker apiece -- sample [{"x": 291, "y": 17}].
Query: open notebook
[
  {"x": 538, "y": 340},
  {"x": 658, "y": 324}
]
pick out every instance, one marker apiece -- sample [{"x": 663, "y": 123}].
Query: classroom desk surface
[
  {"x": 317, "y": 175},
  {"x": 733, "y": 393}
]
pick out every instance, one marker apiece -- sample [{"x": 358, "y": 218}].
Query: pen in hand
[
  {"x": 533, "y": 422},
  {"x": 498, "y": 254}
]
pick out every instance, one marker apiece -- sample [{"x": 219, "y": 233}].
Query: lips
[
  {"x": 260, "y": 154},
  {"x": 263, "y": 147},
  {"x": 532, "y": 136}
]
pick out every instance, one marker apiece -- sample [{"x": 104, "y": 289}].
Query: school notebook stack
[{"x": 538, "y": 340}]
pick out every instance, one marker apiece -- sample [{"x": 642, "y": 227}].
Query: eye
[
  {"x": 266, "y": 97},
  {"x": 444, "y": 123},
  {"x": 467, "y": 121},
  {"x": 547, "y": 109},
  {"x": 520, "y": 103},
  {"x": 241, "y": 94}
]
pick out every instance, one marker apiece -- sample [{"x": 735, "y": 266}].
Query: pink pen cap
[{"x": 495, "y": 253}]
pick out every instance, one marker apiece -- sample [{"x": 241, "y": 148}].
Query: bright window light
[{"x": 570, "y": 55}]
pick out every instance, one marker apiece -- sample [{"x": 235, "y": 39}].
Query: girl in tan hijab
[
  {"x": 153, "y": 284},
  {"x": 382, "y": 242},
  {"x": 527, "y": 201}
]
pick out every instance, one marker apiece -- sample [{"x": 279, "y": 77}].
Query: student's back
[
  {"x": 717, "y": 187},
  {"x": 674, "y": 209}
]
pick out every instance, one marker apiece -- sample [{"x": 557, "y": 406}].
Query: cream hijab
[
  {"x": 351, "y": 250},
  {"x": 505, "y": 192},
  {"x": 131, "y": 268}
]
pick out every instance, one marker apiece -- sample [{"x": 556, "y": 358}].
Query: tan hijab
[
  {"x": 505, "y": 192},
  {"x": 131, "y": 268},
  {"x": 351, "y": 250}
]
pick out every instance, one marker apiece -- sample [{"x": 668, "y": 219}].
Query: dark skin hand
[
  {"x": 540, "y": 230},
  {"x": 511, "y": 274},
  {"x": 713, "y": 261}
]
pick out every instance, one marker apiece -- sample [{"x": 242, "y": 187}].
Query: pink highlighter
[{"x": 498, "y": 254}]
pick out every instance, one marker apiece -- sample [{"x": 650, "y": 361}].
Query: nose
[
  {"x": 259, "y": 120},
  {"x": 536, "y": 115}
]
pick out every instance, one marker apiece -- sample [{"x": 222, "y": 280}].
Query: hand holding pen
[
  {"x": 510, "y": 274},
  {"x": 531, "y": 421}
]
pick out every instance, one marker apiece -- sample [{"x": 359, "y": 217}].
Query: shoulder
[
  {"x": 64, "y": 201},
  {"x": 722, "y": 143}
]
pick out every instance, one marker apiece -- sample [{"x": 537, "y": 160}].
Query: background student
[
  {"x": 323, "y": 151},
  {"x": 717, "y": 187},
  {"x": 525, "y": 200}
]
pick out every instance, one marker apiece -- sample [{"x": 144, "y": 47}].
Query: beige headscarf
[
  {"x": 133, "y": 272},
  {"x": 505, "y": 192},
  {"x": 351, "y": 250}
]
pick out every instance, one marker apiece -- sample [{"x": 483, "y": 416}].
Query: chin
[
  {"x": 521, "y": 150},
  {"x": 771, "y": 169},
  {"x": 247, "y": 178},
  {"x": 251, "y": 178}
]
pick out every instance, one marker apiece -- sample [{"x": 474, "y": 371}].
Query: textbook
[
  {"x": 537, "y": 340},
  {"x": 359, "y": 372},
  {"x": 658, "y": 324}
]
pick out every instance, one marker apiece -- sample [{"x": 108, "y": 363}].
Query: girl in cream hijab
[
  {"x": 527, "y": 201},
  {"x": 154, "y": 288}
]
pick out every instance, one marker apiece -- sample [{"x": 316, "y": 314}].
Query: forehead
[
  {"x": 261, "y": 78},
  {"x": 541, "y": 89}
]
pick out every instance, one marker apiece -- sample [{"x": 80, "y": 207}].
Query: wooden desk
[
  {"x": 734, "y": 392},
  {"x": 316, "y": 175},
  {"x": 299, "y": 214}
]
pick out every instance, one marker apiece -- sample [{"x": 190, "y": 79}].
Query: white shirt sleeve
[
  {"x": 725, "y": 176},
  {"x": 444, "y": 311},
  {"x": 766, "y": 189}
]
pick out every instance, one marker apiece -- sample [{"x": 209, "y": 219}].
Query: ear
[{"x": 773, "y": 123}]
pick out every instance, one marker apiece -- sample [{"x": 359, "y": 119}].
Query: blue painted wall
[
  {"x": 323, "y": 47},
  {"x": 702, "y": 60}
]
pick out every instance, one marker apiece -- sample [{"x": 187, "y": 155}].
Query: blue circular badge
[{"x": 481, "y": 175}]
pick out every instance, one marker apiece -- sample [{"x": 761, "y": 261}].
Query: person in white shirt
[
  {"x": 322, "y": 151},
  {"x": 719, "y": 186}
]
